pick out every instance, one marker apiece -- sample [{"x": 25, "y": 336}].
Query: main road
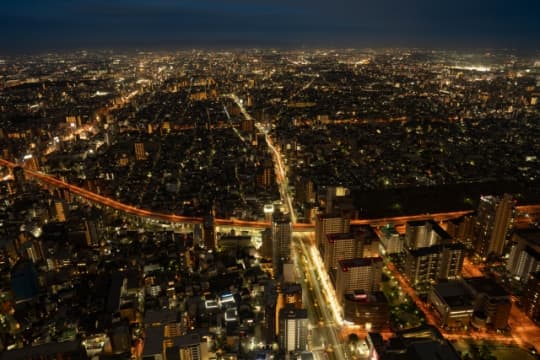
[{"x": 327, "y": 332}]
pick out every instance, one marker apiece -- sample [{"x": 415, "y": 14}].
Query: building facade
[
  {"x": 358, "y": 274},
  {"x": 531, "y": 297},
  {"x": 281, "y": 240},
  {"x": 492, "y": 224},
  {"x": 524, "y": 256},
  {"x": 293, "y": 329},
  {"x": 329, "y": 224}
]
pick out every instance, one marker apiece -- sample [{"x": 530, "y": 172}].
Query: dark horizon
[{"x": 31, "y": 26}]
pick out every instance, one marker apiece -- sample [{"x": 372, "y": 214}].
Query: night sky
[{"x": 42, "y": 25}]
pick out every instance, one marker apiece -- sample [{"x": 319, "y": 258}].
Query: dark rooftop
[
  {"x": 291, "y": 313},
  {"x": 454, "y": 293},
  {"x": 357, "y": 262},
  {"x": 339, "y": 236},
  {"x": 425, "y": 251},
  {"x": 487, "y": 286}
]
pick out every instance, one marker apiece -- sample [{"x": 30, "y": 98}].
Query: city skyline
[
  {"x": 59, "y": 25},
  {"x": 250, "y": 180}
]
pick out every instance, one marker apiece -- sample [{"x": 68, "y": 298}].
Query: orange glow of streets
[
  {"x": 470, "y": 270},
  {"x": 524, "y": 332},
  {"x": 407, "y": 289}
]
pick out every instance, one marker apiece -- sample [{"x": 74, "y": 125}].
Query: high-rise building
[
  {"x": 140, "y": 153},
  {"x": 305, "y": 190},
  {"x": 421, "y": 234},
  {"x": 19, "y": 178},
  {"x": 64, "y": 194},
  {"x": 427, "y": 264},
  {"x": 281, "y": 240},
  {"x": 32, "y": 249},
  {"x": 265, "y": 175},
  {"x": 266, "y": 248},
  {"x": 91, "y": 232},
  {"x": 270, "y": 306},
  {"x": 525, "y": 253},
  {"x": 209, "y": 232},
  {"x": 462, "y": 230},
  {"x": 288, "y": 273},
  {"x": 531, "y": 297},
  {"x": 31, "y": 163},
  {"x": 247, "y": 125},
  {"x": 332, "y": 193},
  {"x": 422, "y": 265},
  {"x": 329, "y": 224},
  {"x": 293, "y": 329},
  {"x": 492, "y": 223},
  {"x": 74, "y": 120},
  {"x": 452, "y": 258},
  {"x": 391, "y": 241},
  {"x": 528, "y": 261},
  {"x": 362, "y": 274},
  {"x": 340, "y": 246},
  {"x": 370, "y": 243},
  {"x": 61, "y": 210}
]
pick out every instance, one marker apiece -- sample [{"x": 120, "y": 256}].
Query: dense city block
[{"x": 259, "y": 204}]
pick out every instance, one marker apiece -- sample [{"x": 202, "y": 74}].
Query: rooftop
[
  {"x": 358, "y": 262},
  {"x": 487, "y": 286}
]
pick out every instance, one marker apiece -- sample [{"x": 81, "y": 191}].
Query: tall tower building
[
  {"x": 266, "y": 248},
  {"x": 427, "y": 264},
  {"x": 452, "y": 260},
  {"x": 19, "y": 178},
  {"x": 341, "y": 246},
  {"x": 363, "y": 274},
  {"x": 329, "y": 224},
  {"x": 281, "y": 240},
  {"x": 293, "y": 329},
  {"x": 209, "y": 232},
  {"x": 462, "y": 230},
  {"x": 270, "y": 305},
  {"x": 91, "y": 232},
  {"x": 333, "y": 192},
  {"x": 392, "y": 242},
  {"x": 531, "y": 297},
  {"x": 265, "y": 175},
  {"x": 525, "y": 253},
  {"x": 492, "y": 224},
  {"x": 423, "y": 265}
]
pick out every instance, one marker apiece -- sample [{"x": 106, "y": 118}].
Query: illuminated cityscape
[{"x": 269, "y": 181}]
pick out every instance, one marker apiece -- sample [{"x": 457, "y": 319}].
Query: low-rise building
[
  {"x": 369, "y": 311},
  {"x": 492, "y": 303},
  {"x": 453, "y": 303}
]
